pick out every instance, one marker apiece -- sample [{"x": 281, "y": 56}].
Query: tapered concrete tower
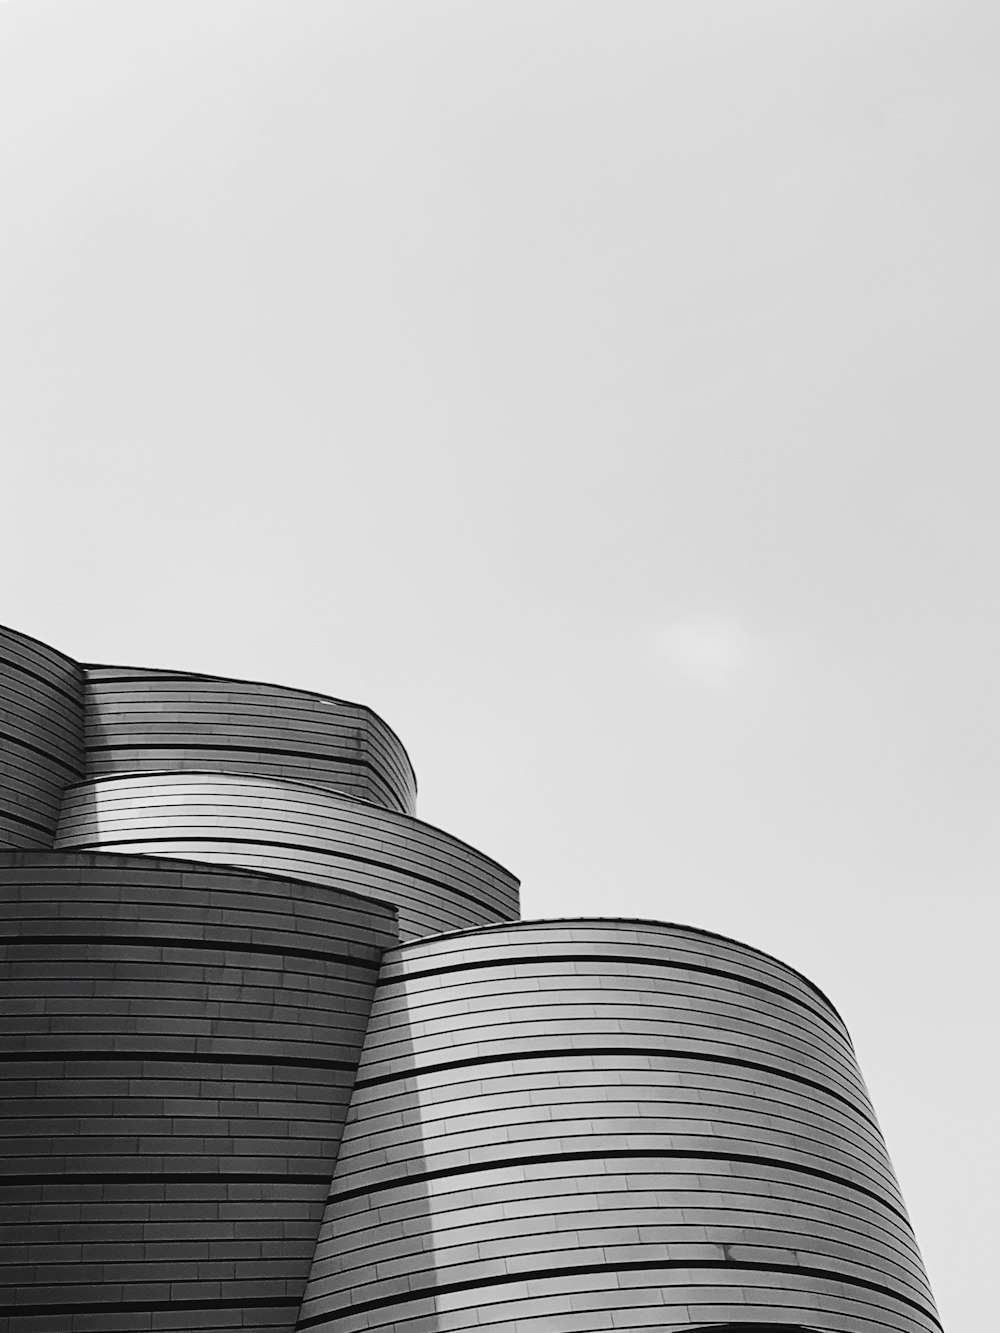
[{"x": 276, "y": 1056}]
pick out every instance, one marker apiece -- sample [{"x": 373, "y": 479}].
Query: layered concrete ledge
[{"x": 437, "y": 882}]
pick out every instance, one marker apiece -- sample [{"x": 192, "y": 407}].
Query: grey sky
[{"x": 603, "y": 392}]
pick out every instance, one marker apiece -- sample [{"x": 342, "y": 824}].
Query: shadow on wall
[
  {"x": 41, "y": 738},
  {"x": 556, "y": 1123},
  {"x": 379, "y": 1214}
]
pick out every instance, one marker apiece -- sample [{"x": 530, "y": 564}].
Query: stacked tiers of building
[{"x": 279, "y": 1056}]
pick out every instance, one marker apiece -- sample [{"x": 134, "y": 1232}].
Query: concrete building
[{"x": 276, "y": 1055}]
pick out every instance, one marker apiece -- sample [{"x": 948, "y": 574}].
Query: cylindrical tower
[{"x": 596, "y": 1124}]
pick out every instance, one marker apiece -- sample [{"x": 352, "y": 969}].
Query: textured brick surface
[{"x": 177, "y": 1058}]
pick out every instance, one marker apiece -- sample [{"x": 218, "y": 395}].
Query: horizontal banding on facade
[
  {"x": 573, "y": 1125},
  {"x": 578, "y": 1118},
  {"x": 175, "y": 1072},
  {"x": 140, "y": 720},
  {"x": 41, "y": 738},
  {"x": 436, "y": 882}
]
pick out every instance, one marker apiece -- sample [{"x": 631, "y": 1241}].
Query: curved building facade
[
  {"x": 620, "y": 1123},
  {"x": 177, "y": 1061},
  {"x": 41, "y": 738},
  {"x": 280, "y": 1056},
  {"x": 141, "y": 721},
  {"x": 436, "y": 882}
]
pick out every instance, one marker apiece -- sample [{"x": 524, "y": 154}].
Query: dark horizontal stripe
[
  {"x": 181, "y": 1058},
  {"x": 69, "y": 1178},
  {"x": 562, "y": 1053},
  {"x": 613, "y": 1154},
  {"x": 275, "y": 751},
  {"x": 517, "y": 959},
  {"x": 47, "y": 755},
  {"x": 433, "y": 1290},
  {"x": 752, "y": 1328},
  {"x": 28, "y": 823},
  {"x": 180, "y": 942},
  {"x": 355, "y": 761},
  {"x": 153, "y": 1307},
  {"x": 148, "y": 676},
  {"x": 398, "y": 870},
  {"x": 75, "y": 700}
]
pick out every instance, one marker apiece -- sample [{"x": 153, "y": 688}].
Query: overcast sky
[{"x": 604, "y": 392}]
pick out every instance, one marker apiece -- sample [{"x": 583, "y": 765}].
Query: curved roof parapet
[
  {"x": 146, "y": 720},
  {"x": 61, "y": 720},
  {"x": 437, "y": 882},
  {"x": 565, "y": 930},
  {"x": 41, "y": 737},
  {"x": 610, "y": 1123}
]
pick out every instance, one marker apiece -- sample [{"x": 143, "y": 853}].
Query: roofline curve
[
  {"x": 173, "y": 673},
  {"x": 630, "y": 921}
]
